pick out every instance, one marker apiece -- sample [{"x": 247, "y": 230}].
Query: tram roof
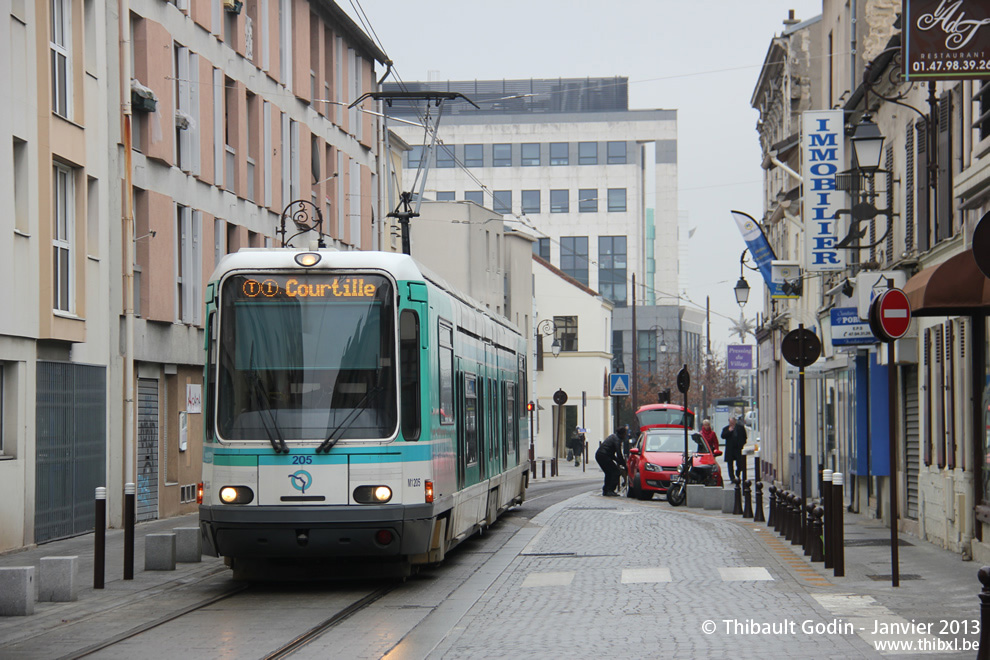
[{"x": 401, "y": 266}]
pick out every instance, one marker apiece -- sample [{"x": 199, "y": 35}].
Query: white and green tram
[{"x": 356, "y": 408}]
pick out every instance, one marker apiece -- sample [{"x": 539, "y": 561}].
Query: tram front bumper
[{"x": 306, "y": 531}]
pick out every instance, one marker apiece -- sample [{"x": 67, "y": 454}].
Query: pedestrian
[
  {"x": 734, "y": 435},
  {"x": 708, "y": 433},
  {"x": 609, "y": 457},
  {"x": 576, "y": 445}
]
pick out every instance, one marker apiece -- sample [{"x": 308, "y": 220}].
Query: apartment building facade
[
  {"x": 235, "y": 112},
  {"x": 932, "y": 189},
  {"x": 567, "y": 157}
]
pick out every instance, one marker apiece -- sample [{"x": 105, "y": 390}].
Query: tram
[{"x": 357, "y": 409}]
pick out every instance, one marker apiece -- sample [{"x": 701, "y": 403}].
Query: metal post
[
  {"x": 128, "y": 531},
  {"x": 772, "y": 517},
  {"x": 758, "y": 513},
  {"x": 808, "y": 508},
  {"x": 804, "y": 467},
  {"x": 797, "y": 533},
  {"x": 100, "y": 538},
  {"x": 737, "y": 508},
  {"x": 532, "y": 437},
  {"x": 748, "y": 498},
  {"x": 984, "y": 576},
  {"x": 827, "y": 516},
  {"x": 838, "y": 559},
  {"x": 816, "y": 533},
  {"x": 895, "y": 577}
]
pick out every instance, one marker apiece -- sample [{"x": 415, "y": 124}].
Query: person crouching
[{"x": 609, "y": 457}]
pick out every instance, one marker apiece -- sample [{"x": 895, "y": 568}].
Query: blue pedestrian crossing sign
[{"x": 618, "y": 384}]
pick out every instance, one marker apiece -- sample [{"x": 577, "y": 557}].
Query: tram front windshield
[{"x": 306, "y": 356}]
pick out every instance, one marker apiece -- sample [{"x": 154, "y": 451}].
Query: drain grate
[
  {"x": 859, "y": 543},
  {"x": 888, "y": 577}
]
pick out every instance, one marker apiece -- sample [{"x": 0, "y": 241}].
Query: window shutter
[
  {"x": 943, "y": 213},
  {"x": 924, "y": 191},
  {"x": 950, "y": 393},
  {"x": 927, "y": 394},
  {"x": 909, "y": 189}
]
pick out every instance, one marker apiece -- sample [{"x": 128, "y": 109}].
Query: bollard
[
  {"x": 772, "y": 513},
  {"x": 748, "y": 498},
  {"x": 544, "y": 475},
  {"x": 816, "y": 534},
  {"x": 532, "y": 467},
  {"x": 100, "y": 538},
  {"x": 129, "y": 531},
  {"x": 553, "y": 467},
  {"x": 839, "y": 560},
  {"x": 984, "y": 576},
  {"x": 784, "y": 511},
  {"x": 737, "y": 505},
  {"x": 808, "y": 508},
  {"x": 797, "y": 536},
  {"x": 758, "y": 514},
  {"x": 827, "y": 518}
]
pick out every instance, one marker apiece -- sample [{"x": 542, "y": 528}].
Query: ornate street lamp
[
  {"x": 867, "y": 142},
  {"x": 741, "y": 290},
  {"x": 545, "y": 328}
]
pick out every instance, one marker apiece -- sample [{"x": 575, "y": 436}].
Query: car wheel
[{"x": 633, "y": 489}]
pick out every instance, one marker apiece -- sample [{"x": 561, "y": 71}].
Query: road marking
[
  {"x": 639, "y": 575},
  {"x": 743, "y": 573},
  {"x": 560, "y": 579}
]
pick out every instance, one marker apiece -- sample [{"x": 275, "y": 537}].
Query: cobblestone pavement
[{"x": 602, "y": 577}]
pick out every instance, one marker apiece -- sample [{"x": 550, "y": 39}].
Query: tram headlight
[
  {"x": 236, "y": 495},
  {"x": 308, "y": 259},
  {"x": 372, "y": 494}
]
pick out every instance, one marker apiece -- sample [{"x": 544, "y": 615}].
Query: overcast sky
[{"x": 699, "y": 58}]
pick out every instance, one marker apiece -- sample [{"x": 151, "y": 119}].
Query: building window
[
  {"x": 541, "y": 248},
  {"x": 574, "y": 257},
  {"x": 587, "y": 153},
  {"x": 62, "y": 235},
  {"x": 61, "y": 57},
  {"x": 559, "y": 201},
  {"x": 415, "y": 156},
  {"x": 503, "y": 201},
  {"x": 616, "y": 199},
  {"x": 445, "y": 156},
  {"x": 476, "y": 196},
  {"x": 558, "y": 153},
  {"x": 530, "y": 154},
  {"x": 612, "y": 268},
  {"x": 982, "y": 123},
  {"x": 474, "y": 155},
  {"x": 646, "y": 349},
  {"x": 616, "y": 153},
  {"x": 445, "y": 196},
  {"x": 588, "y": 200},
  {"x": 502, "y": 155},
  {"x": 531, "y": 201},
  {"x": 567, "y": 332},
  {"x": 188, "y": 264}
]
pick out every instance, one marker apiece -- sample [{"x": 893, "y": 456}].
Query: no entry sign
[{"x": 890, "y": 315}]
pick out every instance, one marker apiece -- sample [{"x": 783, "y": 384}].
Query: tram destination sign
[{"x": 946, "y": 39}]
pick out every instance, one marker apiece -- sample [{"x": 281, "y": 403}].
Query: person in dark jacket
[
  {"x": 735, "y": 437},
  {"x": 576, "y": 445},
  {"x": 609, "y": 457}
]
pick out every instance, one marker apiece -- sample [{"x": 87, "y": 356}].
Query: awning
[{"x": 955, "y": 287}]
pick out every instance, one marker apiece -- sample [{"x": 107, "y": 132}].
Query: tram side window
[
  {"x": 409, "y": 373},
  {"x": 211, "y": 371},
  {"x": 511, "y": 432},
  {"x": 446, "y": 372},
  {"x": 470, "y": 419}
]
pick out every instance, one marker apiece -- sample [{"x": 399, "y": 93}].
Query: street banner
[
  {"x": 946, "y": 39},
  {"x": 822, "y": 157},
  {"x": 740, "y": 357},
  {"x": 848, "y": 329},
  {"x": 759, "y": 248}
]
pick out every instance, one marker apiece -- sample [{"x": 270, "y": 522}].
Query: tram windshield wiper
[
  {"x": 278, "y": 442},
  {"x": 334, "y": 436}
]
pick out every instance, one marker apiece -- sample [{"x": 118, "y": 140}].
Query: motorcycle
[{"x": 689, "y": 473}]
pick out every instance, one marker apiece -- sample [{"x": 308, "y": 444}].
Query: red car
[
  {"x": 655, "y": 457},
  {"x": 664, "y": 415}
]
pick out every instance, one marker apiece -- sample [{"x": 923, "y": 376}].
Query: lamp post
[
  {"x": 867, "y": 144},
  {"x": 545, "y": 328}
]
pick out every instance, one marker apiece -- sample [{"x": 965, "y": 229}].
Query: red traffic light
[{"x": 530, "y": 407}]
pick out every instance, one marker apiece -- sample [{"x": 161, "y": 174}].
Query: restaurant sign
[{"x": 946, "y": 39}]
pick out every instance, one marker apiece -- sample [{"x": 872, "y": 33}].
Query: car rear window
[
  {"x": 665, "y": 417},
  {"x": 674, "y": 442}
]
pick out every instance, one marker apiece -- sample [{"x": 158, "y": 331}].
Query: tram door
[{"x": 470, "y": 432}]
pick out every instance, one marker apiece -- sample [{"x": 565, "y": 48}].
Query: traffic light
[{"x": 530, "y": 407}]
